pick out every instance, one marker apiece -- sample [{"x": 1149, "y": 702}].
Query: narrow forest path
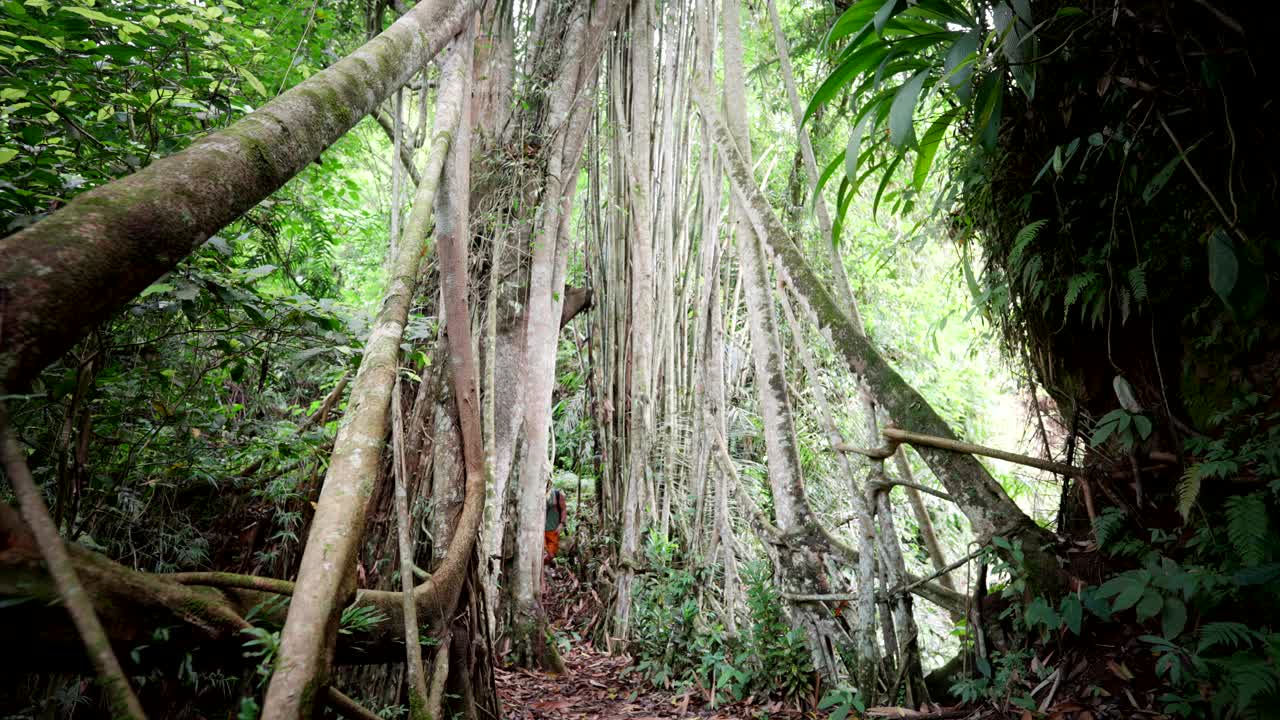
[{"x": 598, "y": 685}]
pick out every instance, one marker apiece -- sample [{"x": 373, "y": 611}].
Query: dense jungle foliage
[{"x": 1049, "y": 220}]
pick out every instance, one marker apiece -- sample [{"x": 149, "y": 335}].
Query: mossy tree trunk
[
  {"x": 72, "y": 270},
  {"x": 328, "y": 560}
]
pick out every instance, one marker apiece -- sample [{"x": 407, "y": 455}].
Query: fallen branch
[
  {"x": 232, "y": 580},
  {"x": 887, "y": 483},
  {"x": 897, "y": 436},
  {"x": 322, "y": 413},
  {"x": 124, "y": 704},
  {"x": 346, "y": 707}
]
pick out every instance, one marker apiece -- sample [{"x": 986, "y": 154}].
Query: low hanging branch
[
  {"x": 895, "y": 436},
  {"x": 124, "y": 704}
]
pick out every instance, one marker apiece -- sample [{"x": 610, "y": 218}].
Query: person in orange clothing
[{"x": 557, "y": 512}]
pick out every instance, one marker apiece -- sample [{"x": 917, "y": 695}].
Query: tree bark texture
[{"x": 328, "y": 560}]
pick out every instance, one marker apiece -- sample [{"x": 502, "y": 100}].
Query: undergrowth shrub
[{"x": 677, "y": 647}]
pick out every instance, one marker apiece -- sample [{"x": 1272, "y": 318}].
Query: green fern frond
[
  {"x": 1228, "y": 634},
  {"x": 1188, "y": 491},
  {"x": 1138, "y": 283},
  {"x": 1106, "y": 525},
  {"x": 1075, "y": 286},
  {"x": 1025, "y": 237},
  {"x": 1250, "y": 677},
  {"x": 1247, "y": 527}
]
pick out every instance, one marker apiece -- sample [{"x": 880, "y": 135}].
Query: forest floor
[{"x": 596, "y": 684}]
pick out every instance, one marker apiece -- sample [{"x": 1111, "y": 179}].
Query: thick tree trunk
[
  {"x": 637, "y": 179},
  {"x": 567, "y": 123},
  {"x": 328, "y": 561},
  {"x": 70, "y": 271}
]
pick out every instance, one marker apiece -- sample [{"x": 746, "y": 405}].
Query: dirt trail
[{"x": 595, "y": 684}]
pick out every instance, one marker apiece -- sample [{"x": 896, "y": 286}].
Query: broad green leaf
[
  {"x": 1040, "y": 612},
  {"x": 259, "y": 272},
  {"x": 1072, "y": 613},
  {"x": 989, "y": 101},
  {"x": 1152, "y": 603},
  {"x": 902, "y": 112},
  {"x": 253, "y": 81},
  {"x": 1174, "y": 619},
  {"x": 93, "y": 15},
  {"x": 1143, "y": 425},
  {"x": 1129, "y": 597},
  {"x": 957, "y": 67},
  {"x": 1224, "y": 269},
  {"x": 7, "y": 154}
]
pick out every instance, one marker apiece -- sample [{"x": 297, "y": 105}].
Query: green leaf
[
  {"x": 1072, "y": 613},
  {"x": 1143, "y": 425},
  {"x": 1150, "y": 606},
  {"x": 886, "y": 11},
  {"x": 253, "y": 81},
  {"x": 93, "y": 15},
  {"x": 1040, "y": 612},
  {"x": 1103, "y": 431},
  {"x": 844, "y": 73},
  {"x": 1224, "y": 269},
  {"x": 902, "y": 112},
  {"x": 855, "y": 146},
  {"x": 1230, "y": 634},
  {"x": 156, "y": 288},
  {"x": 1157, "y": 183},
  {"x": 929, "y": 148},
  {"x": 1127, "y": 588},
  {"x": 1174, "y": 619},
  {"x": 259, "y": 272},
  {"x": 884, "y": 183},
  {"x": 989, "y": 101},
  {"x": 957, "y": 67},
  {"x": 854, "y": 20},
  {"x": 1188, "y": 491},
  {"x": 7, "y": 154},
  {"x": 1025, "y": 237}
]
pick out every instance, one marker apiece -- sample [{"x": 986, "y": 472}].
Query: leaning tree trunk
[
  {"x": 989, "y": 509},
  {"x": 72, "y": 270},
  {"x": 801, "y": 569},
  {"x": 326, "y": 573}
]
